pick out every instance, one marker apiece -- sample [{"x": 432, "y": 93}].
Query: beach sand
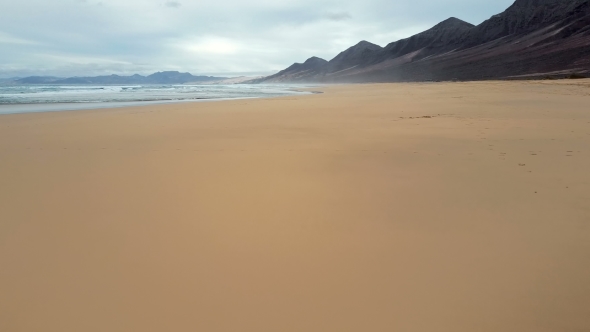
[{"x": 394, "y": 207}]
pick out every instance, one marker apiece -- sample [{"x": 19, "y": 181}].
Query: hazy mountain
[
  {"x": 36, "y": 80},
  {"x": 167, "y": 77},
  {"x": 532, "y": 38},
  {"x": 174, "y": 77},
  {"x": 8, "y": 79}
]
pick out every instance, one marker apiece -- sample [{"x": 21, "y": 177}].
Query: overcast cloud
[{"x": 221, "y": 37}]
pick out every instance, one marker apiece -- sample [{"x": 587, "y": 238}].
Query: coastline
[
  {"x": 51, "y": 98},
  {"x": 6, "y": 109},
  {"x": 422, "y": 207}
]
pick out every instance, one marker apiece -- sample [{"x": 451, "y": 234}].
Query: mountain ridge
[
  {"x": 531, "y": 38},
  {"x": 164, "y": 77}
]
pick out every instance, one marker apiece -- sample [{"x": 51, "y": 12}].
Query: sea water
[{"x": 43, "y": 98}]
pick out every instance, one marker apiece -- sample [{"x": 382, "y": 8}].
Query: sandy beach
[{"x": 393, "y": 207}]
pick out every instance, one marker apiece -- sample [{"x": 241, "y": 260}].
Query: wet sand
[{"x": 395, "y": 207}]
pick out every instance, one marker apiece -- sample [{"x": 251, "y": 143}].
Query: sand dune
[{"x": 399, "y": 207}]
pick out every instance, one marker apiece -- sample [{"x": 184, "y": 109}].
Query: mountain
[
  {"x": 8, "y": 79},
  {"x": 111, "y": 79},
  {"x": 174, "y": 77},
  {"x": 36, "y": 80},
  {"x": 296, "y": 72},
  {"x": 353, "y": 56},
  {"x": 167, "y": 77},
  {"x": 526, "y": 16},
  {"x": 530, "y": 39},
  {"x": 440, "y": 38},
  {"x": 314, "y": 68}
]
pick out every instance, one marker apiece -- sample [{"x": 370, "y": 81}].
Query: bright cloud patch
[{"x": 213, "y": 46}]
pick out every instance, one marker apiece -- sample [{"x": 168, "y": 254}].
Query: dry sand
[{"x": 401, "y": 207}]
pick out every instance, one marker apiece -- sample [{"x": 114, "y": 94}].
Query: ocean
[{"x": 45, "y": 98}]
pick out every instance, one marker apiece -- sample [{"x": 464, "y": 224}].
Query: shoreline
[
  {"x": 33, "y": 107},
  {"x": 64, "y": 107}
]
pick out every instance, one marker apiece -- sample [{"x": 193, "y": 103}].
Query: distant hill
[
  {"x": 531, "y": 39},
  {"x": 8, "y": 79},
  {"x": 36, "y": 80},
  {"x": 166, "y": 77}
]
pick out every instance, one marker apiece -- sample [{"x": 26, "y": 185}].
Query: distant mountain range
[
  {"x": 166, "y": 77},
  {"x": 531, "y": 39},
  {"x": 8, "y": 79}
]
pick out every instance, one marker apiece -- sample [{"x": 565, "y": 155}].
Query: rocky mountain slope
[{"x": 532, "y": 38}]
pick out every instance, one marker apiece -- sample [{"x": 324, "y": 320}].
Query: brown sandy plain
[{"x": 395, "y": 207}]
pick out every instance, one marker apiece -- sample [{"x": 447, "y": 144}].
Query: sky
[{"x": 206, "y": 37}]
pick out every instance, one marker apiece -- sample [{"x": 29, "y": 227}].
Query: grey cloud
[
  {"x": 338, "y": 16},
  {"x": 173, "y": 4}
]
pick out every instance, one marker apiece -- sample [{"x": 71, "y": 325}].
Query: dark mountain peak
[
  {"x": 353, "y": 55},
  {"x": 441, "y": 38},
  {"x": 312, "y": 63},
  {"x": 525, "y": 16},
  {"x": 297, "y": 70},
  {"x": 314, "y": 60},
  {"x": 359, "y": 48},
  {"x": 453, "y": 23},
  {"x": 367, "y": 45},
  {"x": 529, "y": 7},
  {"x": 450, "y": 25},
  {"x": 445, "y": 30},
  {"x": 534, "y": 3}
]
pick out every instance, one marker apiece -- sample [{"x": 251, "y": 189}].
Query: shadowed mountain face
[
  {"x": 526, "y": 16},
  {"x": 532, "y": 38},
  {"x": 442, "y": 37}
]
